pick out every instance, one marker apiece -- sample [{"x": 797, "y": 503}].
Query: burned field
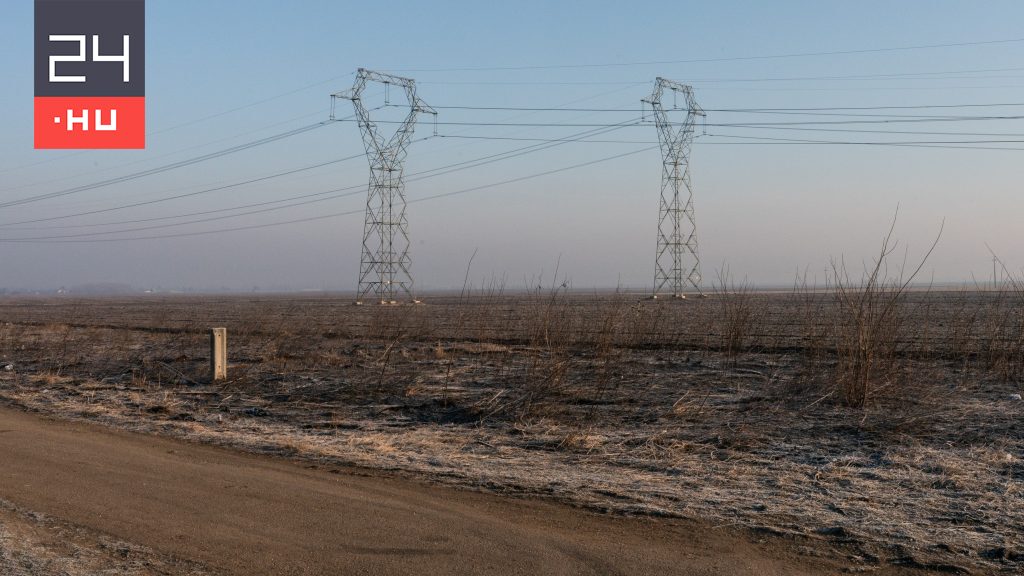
[{"x": 882, "y": 428}]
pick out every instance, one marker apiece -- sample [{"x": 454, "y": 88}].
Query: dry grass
[{"x": 729, "y": 409}]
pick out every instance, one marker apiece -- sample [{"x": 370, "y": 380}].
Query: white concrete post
[{"x": 218, "y": 354}]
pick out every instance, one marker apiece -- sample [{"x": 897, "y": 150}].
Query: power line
[
  {"x": 199, "y": 221},
  {"x": 637, "y": 110},
  {"x": 517, "y": 152},
  {"x": 770, "y": 140},
  {"x": 715, "y": 85},
  {"x": 78, "y": 237},
  {"x": 959, "y": 145},
  {"x": 348, "y": 191},
  {"x": 552, "y": 140},
  {"x": 541, "y": 144},
  {"x": 272, "y": 138},
  {"x": 164, "y": 155},
  {"x": 637, "y": 122},
  {"x": 835, "y": 111},
  {"x": 332, "y": 215},
  {"x": 300, "y": 130},
  {"x": 178, "y": 196},
  {"x": 894, "y": 132},
  {"x": 640, "y": 122},
  {"x": 898, "y": 120},
  {"x": 719, "y": 59},
  {"x": 937, "y": 75},
  {"x": 164, "y": 168},
  {"x": 841, "y": 130},
  {"x": 627, "y": 123},
  {"x": 250, "y": 105},
  {"x": 965, "y": 74},
  {"x": 189, "y": 122},
  {"x": 855, "y": 114},
  {"x": 532, "y": 176},
  {"x": 864, "y": 88},
  {"x": 903, "y": 107},
  {"x": 413, "y": 177}
]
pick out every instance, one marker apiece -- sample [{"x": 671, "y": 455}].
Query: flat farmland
[{"x": 877, "y": 428}]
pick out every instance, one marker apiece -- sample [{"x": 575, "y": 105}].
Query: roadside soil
[{"x": 121, "y": 503}]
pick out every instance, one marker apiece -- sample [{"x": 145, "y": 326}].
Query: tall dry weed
[
  {"x": 870, "y": 323},
  {"x": 738, "y": 314}
]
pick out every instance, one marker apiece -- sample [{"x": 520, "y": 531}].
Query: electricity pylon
[
  {"x": 677, "y": 264},
  {"x": 385, "y": 262}
]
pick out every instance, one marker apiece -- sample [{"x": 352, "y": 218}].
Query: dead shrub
[
  {"x": 737, "y": 314},
  {"x": 870, "y": 322}
]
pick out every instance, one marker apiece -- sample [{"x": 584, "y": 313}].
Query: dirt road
[{"x": 243, "y": 514}]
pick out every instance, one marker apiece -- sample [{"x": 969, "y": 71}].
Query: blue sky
[{"x": 223, "y": 73}]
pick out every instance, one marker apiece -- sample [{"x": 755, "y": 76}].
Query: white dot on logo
[{"x": 56, "y": 119}]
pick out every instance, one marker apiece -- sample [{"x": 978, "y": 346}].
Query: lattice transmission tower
[
  {"x": 677, "y": 264},
  {"x": 384, "y": 264}
]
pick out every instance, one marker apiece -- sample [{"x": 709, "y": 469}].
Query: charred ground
[{"x": 883, "y": 428}]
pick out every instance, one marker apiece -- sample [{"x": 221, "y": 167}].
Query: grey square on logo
[{"x": 106, "y": 20}]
